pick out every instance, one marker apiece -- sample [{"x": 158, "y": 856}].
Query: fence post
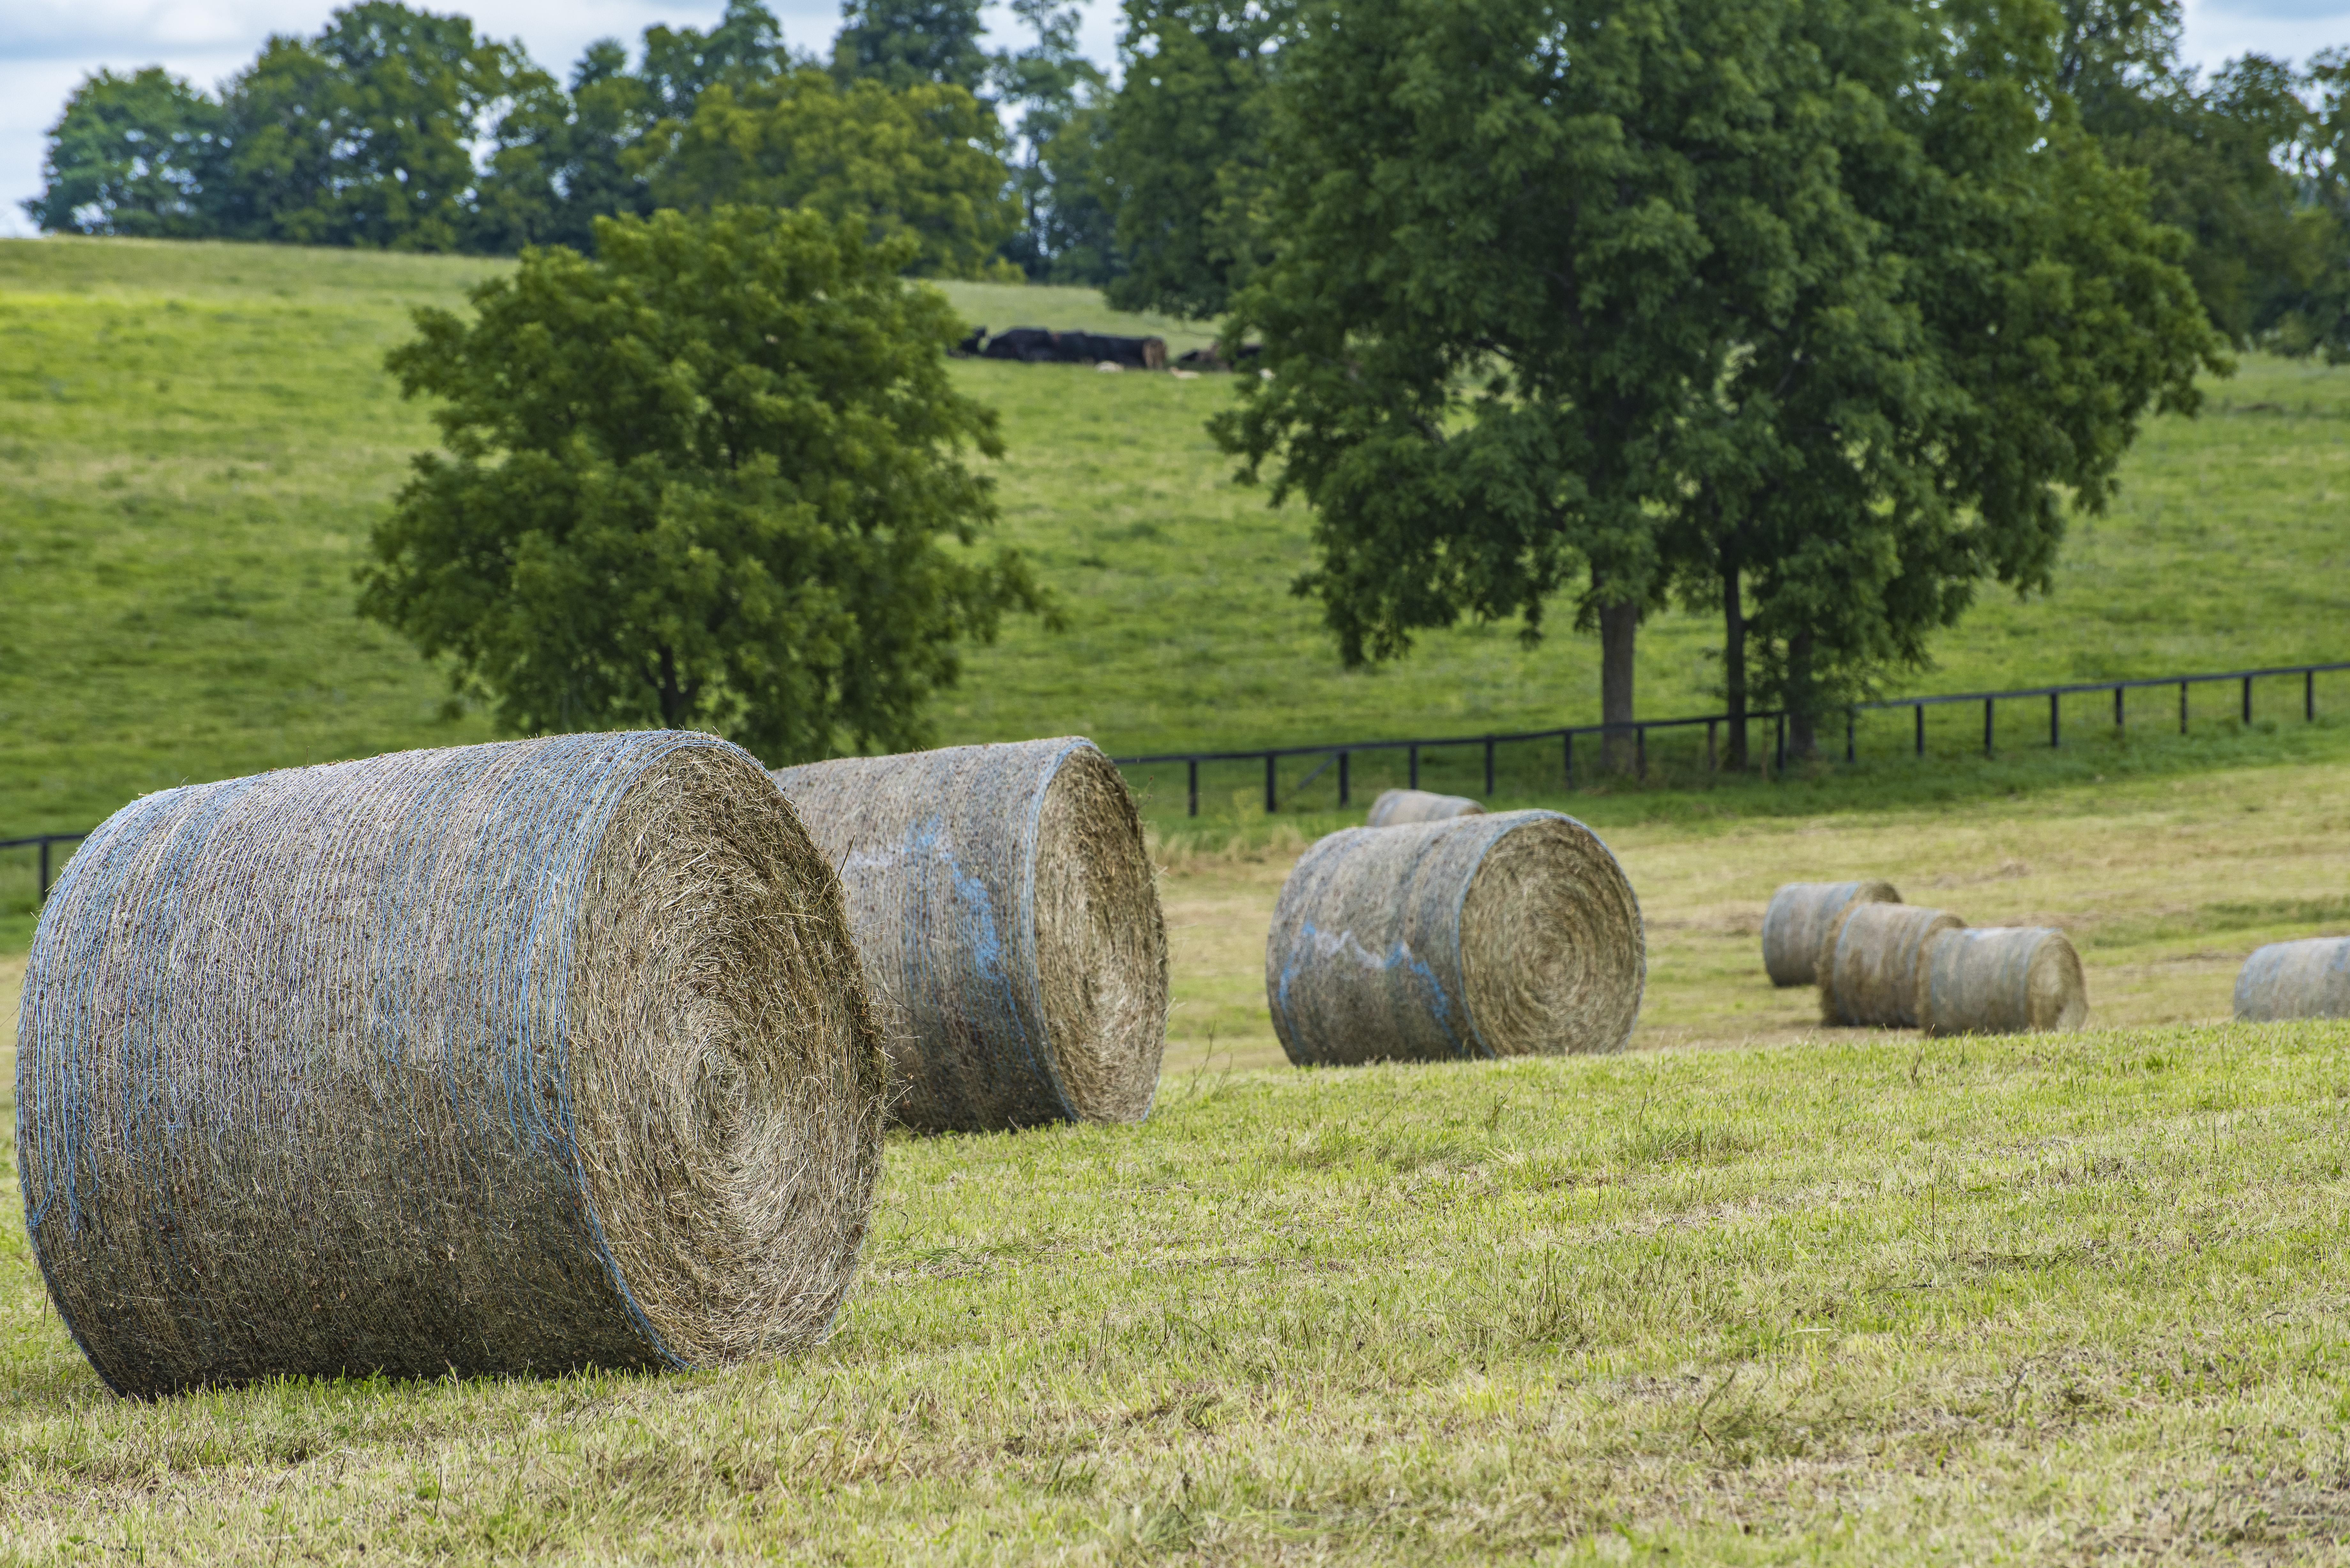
[
  {"x": 1848, "y": 755},
  {"x": 45, "y": 876},
  {"x": 1640, "y": 750},
  {"x": 1986, "y": 726},
  {"x": 1415, "y": 764},
  {"x": 1783, "y": 745},
  {"x": 2247, "y": 699},
  {"x": 1342, "y": 779},
  {"x": 2052, "y": 719},
  {"x": 2183, "y": 707},
  {"x": 1570, "y": 759},
  {"x": 1269, "y": 804},
  {"x": 1920, "y": 711},
  {"x": 1489, "y": 767},
  {"x": 1710, "y": 765},
  {"x": 1191, "y": 766},
  {"x": 2117, "y": 707},
  {"x": 2309, "y": 696}
]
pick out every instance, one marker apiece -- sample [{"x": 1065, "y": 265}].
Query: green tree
[
  {"x": 1069, "y": 235},
  {"x": 713, "y": 479},
  {"x": 142, "y": 154},
  {"x": 1812, "y": 308},
  {"x": 744, "y": 49},
  {"x": 924, "y": 163},
  {"x": 1185, "y": 148},
  {"x": 365, "y": 135},
  {"x": 909, "y": 43}
]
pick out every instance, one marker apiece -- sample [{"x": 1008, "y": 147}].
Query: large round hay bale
[
  {"x": 2308, "y": 979},
  {"x": 1799, "y": 918},
  {"x": 1507, "y": 935},
  {"x": 1008, "y": 914},
  {"x": 1395, "y": 807},
  {"x": 1869, "y": 962},
  {"x": 2001, "y": 980},
  {"x": 504, "y": 1058}
]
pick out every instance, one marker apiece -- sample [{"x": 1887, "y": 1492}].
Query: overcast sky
[{"x": 46, "y": 47}]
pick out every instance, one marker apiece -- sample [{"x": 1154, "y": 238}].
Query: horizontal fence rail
[
  {"x": 43, "y": 841},
  {"x": 1340, "y": 754}
]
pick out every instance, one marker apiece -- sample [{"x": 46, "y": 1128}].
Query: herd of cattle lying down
[{"x": 1036, "y": 346}]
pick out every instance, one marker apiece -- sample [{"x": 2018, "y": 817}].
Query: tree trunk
[
  {"x": 1733, "y": 666},
  {"x": 676, "y": 702},
  {"x": 1802, "y": 704},
  {"x": 1618, "y": 625}
]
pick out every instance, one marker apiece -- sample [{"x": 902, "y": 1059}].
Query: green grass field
[
  {"x": 1751, "y": 1293},
  {"x": 196, "y": 439}
]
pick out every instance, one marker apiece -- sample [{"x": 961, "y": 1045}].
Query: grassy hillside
[{"x": 197, "y": 438}]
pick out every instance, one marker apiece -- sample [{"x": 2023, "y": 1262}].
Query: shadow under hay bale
[
  {"x": 1395, "y": 807},
  {"x": 1870, "y": 962},
  {"x": 498, "y": 1059},
  {"x": 1798, "y": 920},
  {"x": 1506, "y": 935},
  {"x": 1008, "y": 916},
  {"x": 2308, "y": 979},
  {"x": 2001, "y": 980}
]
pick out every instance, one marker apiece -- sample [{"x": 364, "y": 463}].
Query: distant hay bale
[
  {"x": 1396, "y": 807},
  {"x": 1799, "y": 917},
  {"x": 1507, "y": 935},
  {"x": 1008, "y": 916},
  {"x": 1868, "y": 963},
  {"x": 498, "y": 1059},
  {"x": 2307, "y": 979},
  {"x": 2001, "y": 980}
]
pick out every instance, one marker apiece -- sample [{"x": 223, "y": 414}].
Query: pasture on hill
[{"x": 199, "y": 436}]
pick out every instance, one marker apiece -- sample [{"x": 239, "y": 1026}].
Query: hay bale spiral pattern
[
  {"x": 1395, "y": 807},
  {"x": 1505, "y": 935},
  {"x": 1008, "y": 914},
  {"x": 1871, "y": 959},
  {"x": 2308, "y": 979},
  {"x": 2001, "y": 980},
  {"x": 503, "y": 1058},
  {"x": 1798, "y": 920}
]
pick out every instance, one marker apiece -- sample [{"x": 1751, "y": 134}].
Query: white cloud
[{"x": 2220, "y": 30}]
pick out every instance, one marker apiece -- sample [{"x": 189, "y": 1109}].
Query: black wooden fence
[
  {"x": 1340, "y": 754},
  {"x": 43, "y": 841}
]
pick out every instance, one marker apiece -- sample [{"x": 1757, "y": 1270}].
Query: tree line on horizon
[{"x": 398, "y": 128}]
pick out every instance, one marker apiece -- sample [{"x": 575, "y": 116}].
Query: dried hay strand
[
  {"x": 2308, "y": 979},
  {"x": 1395, "y": 807},
  {"x": 1799, "y": 918},
  {"x": 1507, "y": 935},
  {"x": 1008, "y": 915},
  {"x": 2001, "y": 980},
  {"x": 499, "y": 1059},
  {"x": 1869, "y": 963}
]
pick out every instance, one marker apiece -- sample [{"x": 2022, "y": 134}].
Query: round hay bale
[
  {"x": 2307, "y": 979},
  {"x": 1869, "y": 962},
  {"x": 507, "y": 1058},
  {"x": 2001, "y": 980},
  {"x": 1799, "y": 917},
  {"x": 1507, "y": 935},
  {"x": 1008, "y": 915},
  {"x": 1394, "y": 808}
]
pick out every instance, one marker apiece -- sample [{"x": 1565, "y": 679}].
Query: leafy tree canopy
[
  {"x": 907, "y": 42},
  {"x": 142, "y": 154},
  {"x": 1822, "y": 302},
  {"x": 714, "y": 478},
  {"x": 1185, "y": 151},
  {"x": 923, "y": 162}
]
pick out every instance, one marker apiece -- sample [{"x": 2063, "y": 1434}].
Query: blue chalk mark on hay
[
  {"x": 108, "y": 935},
  {"x": 1314, "y": 943}
]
